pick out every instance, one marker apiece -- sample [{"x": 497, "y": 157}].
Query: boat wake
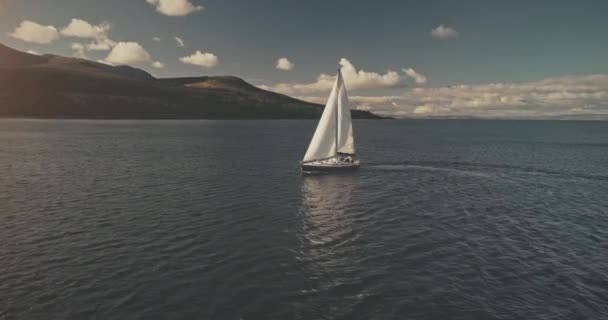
[
  {"x": 410, "y": 167},
  {"x": 479, "y": 169}
]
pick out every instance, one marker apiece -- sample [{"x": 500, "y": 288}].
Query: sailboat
[{"x": 332, "y": 147}]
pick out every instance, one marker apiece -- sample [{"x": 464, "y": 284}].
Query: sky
[{"x": 496, "y": 59}]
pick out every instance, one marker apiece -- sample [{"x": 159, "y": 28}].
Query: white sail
[
  {"x": 335, "y": 124},
  {"x": 346, "y": 142}
]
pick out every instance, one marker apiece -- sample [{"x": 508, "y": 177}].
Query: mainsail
[{"x": 334, "y": 132}]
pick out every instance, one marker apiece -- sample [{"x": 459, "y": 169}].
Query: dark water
[{"x": 212, "y": 220}]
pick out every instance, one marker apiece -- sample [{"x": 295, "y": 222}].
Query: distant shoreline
[
  {"x": 283, "y": 119},
  {"x": 173, "y": 119}
]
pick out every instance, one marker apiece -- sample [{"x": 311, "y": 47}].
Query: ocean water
[{"x": 212, "y": 220}]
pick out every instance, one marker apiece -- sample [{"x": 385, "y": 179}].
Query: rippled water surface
[{"x": 212, "y": 220}]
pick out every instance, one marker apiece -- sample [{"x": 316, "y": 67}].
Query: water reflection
[
  {"x": 326, "y": 222},
  {"x": 332, "y": 251}
]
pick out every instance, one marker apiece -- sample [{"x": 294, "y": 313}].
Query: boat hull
[{"x": 309, "y": 167}]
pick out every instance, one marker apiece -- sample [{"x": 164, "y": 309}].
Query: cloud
[
  {"x": 33, "y": 32},
  {"x": 423, "y": 110},
  {"x": 355, "y": 79},
  {"x": 551, "y": 97},
  {"x": 104, "y": 62},
  {"x": 207, "y": 60},
  {"x": 101, "y": 45},
  {"x": 79, "y": 49},
  {"x": 79, "y": 28},
  {"x": 284, "y": 64},
  {"x": 130, "y": 53},
  {"x": 441, "y": 32},
  {"x": 179, "y": 41},
  {"x": 174, "y": 8},
  {"x": 418, "y": 78},
  {"x": 157, "y": 39}
]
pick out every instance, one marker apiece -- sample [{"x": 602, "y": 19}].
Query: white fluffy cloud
[
  {"x": 79, "y": 28},
  {"x": 174, "y": 8},
  {"x": 30, "y": 31},
  {"x": 130, "y": 53},
  {"x": 442, "y": 32},
  {"x": 179, "y": 41},
  {"x": 581, "y": 96},
  {"x": 101, "y": 45},
  {"x": 207, "y": 60},
  {"x": 158, "y": 65},
  {"x": 356, "y": 79},
  {"x": 79, "y": 50},
  {"x": 284, "y": 64},
  {"x": 418, "y": 77},
  {"x": 104, "y": 62}
]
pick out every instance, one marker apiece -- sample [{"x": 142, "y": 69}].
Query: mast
[{"x": 338, "y": 112}]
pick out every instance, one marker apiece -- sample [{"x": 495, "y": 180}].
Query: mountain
[{"x": 52, "y": 86}]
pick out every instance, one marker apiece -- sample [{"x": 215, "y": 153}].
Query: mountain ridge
[{"x": 52, "y": 86}]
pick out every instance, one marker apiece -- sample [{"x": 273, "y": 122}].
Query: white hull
[{"x": 333, "y": 164}]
